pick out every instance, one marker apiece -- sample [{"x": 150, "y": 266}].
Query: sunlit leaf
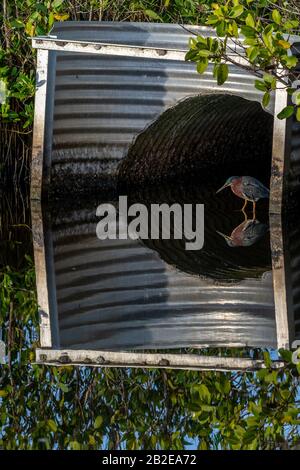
[
  {"x": 276, "y": 16},
  {"x": 222, "y": 73},
  {"x": 287, "y": 112},
  {"x": 98, "y": 422}
]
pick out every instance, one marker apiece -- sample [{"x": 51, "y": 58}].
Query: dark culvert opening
[
  {"x": 216, "y": 260},
  {"x": 184, "y": 157},
  {"x": 203, "y": 136}
]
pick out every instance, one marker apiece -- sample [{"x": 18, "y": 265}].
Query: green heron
[
  {"x": 245, "y": 234},
  {"x": 248, "y": 188}
]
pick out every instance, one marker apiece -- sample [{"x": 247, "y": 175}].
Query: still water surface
[{"x": 154, "y": 294}]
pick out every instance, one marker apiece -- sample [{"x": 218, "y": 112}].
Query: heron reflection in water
[{"x": 246, "y": 234}]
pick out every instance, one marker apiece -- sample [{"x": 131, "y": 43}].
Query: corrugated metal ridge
[
  {"x": 158, "y": 35},
  {"x": 103, "y": 102},
  {"x": 98, "y": 306},
  {"x": 86, "y": 31}
]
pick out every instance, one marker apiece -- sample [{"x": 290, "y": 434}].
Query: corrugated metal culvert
[
  {"x": 104, "y": 94},
  {"x": 101, "y": 103}
]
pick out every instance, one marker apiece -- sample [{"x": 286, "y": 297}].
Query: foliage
[
  {"x": 266, "y": 26},
  {"x": 21, "y": 19},
  {"x": 43, "y": 407},
  {"x": 265, "y": 50}
]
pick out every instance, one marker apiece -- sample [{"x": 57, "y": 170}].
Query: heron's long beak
[
  {"x": 223, "y": 187},
  {"x": 227, "y": 238}
]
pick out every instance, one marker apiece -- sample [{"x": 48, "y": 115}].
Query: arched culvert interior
[
  {"x": 216, "y": 260},
  {"x": 203, "y": 136},
  {"x": 197, "y": 145}
]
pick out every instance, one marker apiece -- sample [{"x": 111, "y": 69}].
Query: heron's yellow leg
[
  {"x": 254, "y": 210},
  {"x": 245, "y": 216},
  {"x": 244, "y": 206}
]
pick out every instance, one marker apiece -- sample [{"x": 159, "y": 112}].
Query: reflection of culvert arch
[
  {"x": 202, "y": 136},
  {"x": 216, "y": 260}
]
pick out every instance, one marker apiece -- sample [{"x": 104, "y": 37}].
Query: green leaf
[
  {"x": 52, "y": 425},
  {"x": 75, "y": 445},
  {"x": 271, "y": 377},
  {"x": 260, "y": 85},
  {"x": 252, "y": 53},
  {"x": 248, "y": 32},
  {"x": 204, "y": 53},
  {"x": 268, "y": 40},
  {"x": 291, "y": 24},
  {"x": 253, "y": 407},
  {"x": 221, "y": 29},
  {"x": 269, "y": 29},
  {"x": 276, "y": 16},
  {"x": 63, "y": 387},
  {"x": 17, "y": 24},
  {"x": 191, "y": 55},
  {"x": 234, "y": 29},
  {"x": 267, "y": 359},
  {"x": 266, "y": 99},
  {"x": 192, "y": 43},
  {"x": 286, "y": 112},
  {"x": 250, "y": 435},
  {"x": 201, "y": 40},
  {"x": 251, "y": 42},
  {"x": 153, "y": 15},
  {"x": 285, "y": 354},
  {"x": 296, "y": 98},
  {"x": 285, "y": 394},
  {"x": 250, "y": 21},
  {"x": 204, "y": 393},
  {"x": 213, "y": 19},
  {"x": 98, "y": 421},
  {"x": 51, "y": 19},
  {"x": 202, "y": 65},
  {"x": 222, "y": 73},
  {"x": 261, "y": 374},
  {"x": 290, "y": 91},
  {"x": 270, "y": 80},
  {"x": 57, "y": 3},
  {"x": 298, "y": 114},
  {"x": 236, "y": 11},
  {"x": 290, "y": 61}
]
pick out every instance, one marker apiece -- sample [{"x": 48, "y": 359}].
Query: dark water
[{"x": 154, "y": 294}]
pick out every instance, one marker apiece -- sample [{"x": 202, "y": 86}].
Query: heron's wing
[
  {"x": 255, "y": 229},
  {"x": 254, "y": 189},
  {"x": 248, "y": 225}
]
